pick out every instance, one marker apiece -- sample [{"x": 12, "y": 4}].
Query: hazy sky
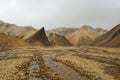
[{"x": 61, "y": 13}]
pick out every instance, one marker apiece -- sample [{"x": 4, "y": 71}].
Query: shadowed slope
[
  {"x": 38, "y": 39},
  {"x": 110, "y": 39}
]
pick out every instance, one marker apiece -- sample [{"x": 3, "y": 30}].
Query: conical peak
[
  {"x": 118, "y": 26},
  {"x": 39, "y": 37},
  {"x": 43, "y": 28}
]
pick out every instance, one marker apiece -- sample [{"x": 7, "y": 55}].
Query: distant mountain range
[
  {"x": 62, "y": 31},
  {"x": 22, "y": 32},
  {"x": 83, "y": 36}
]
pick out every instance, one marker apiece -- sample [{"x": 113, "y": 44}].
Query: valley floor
[{"x": 60, "y": 63}]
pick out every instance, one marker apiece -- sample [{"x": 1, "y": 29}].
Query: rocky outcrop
[{"x": 38, "y": 39}]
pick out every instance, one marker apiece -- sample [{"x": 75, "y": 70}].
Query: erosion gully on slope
[{"x": 63, "y": 71}]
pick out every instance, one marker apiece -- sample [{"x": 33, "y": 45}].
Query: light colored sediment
[
  {"x": 8, "y": 68},
  {"x": 65, "y": 72},
  {"x": 92, "y": 69},
  {"x": 100, "y": 66}
]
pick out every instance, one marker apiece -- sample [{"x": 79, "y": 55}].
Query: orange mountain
[
  {"x": 83, "y": 36},
  {"x": 11, "y": 41}
]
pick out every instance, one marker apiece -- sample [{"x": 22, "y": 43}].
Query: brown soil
[
  {"x": 11, "y": 41},
  {"x": 26, "y": 66},
  {"x": 36, "y": 69},
  {"x": 96, "y": 66},
  {"x": 69, "y": 63}
]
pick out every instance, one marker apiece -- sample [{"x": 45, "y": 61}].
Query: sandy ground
[
  {"x": 107, "y": 49},
  {"x": 18, "y": 68},
  {"x": 93, "y": 63},
  {"x": 8, "y": 70},
  {"x": 96, "y": 66}
]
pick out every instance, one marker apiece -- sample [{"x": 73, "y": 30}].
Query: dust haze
[{"x": 61, "y": 13}]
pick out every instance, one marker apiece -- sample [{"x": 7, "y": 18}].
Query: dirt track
[
  {"x": 64, "y": 71},
  {"x": 93, "y": 65},
  {"x": 52, "y": 64}
]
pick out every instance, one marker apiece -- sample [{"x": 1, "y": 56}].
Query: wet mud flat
[
  {"x": 36, "y": 69},
  {"x": 65, "y": 72}
]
